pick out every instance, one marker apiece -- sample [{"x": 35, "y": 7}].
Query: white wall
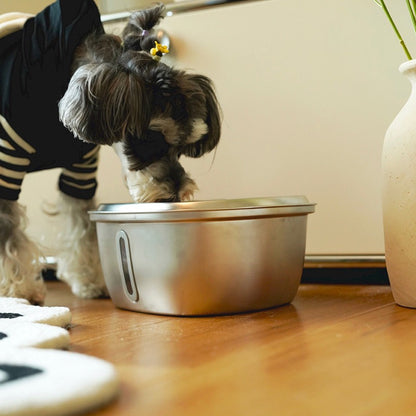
[{"x": 308, "y": 90}]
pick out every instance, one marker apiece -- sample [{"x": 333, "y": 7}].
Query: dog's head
[{"x": 152, "y": 113}]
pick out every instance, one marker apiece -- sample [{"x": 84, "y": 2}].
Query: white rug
[
  {"x": 45, "y": 381},
  {"x": 38, "y": 382},
  {"x": 18, "y": 310},
  {"x": 23, "y": 334}
]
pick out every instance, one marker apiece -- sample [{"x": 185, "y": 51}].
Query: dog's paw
[
  {"x": 33, "y": 290},
  {"x": 87, "y": 285},
  {"x": 89, "y": 291},
  {"x": 38, "y": 292},
  {"x": 188, "y": 190}
]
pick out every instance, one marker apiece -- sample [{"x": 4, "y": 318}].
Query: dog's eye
[{"x": 149, "y": 148}]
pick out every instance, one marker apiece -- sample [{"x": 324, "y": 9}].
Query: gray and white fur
[{"x": 151, "y": 114}]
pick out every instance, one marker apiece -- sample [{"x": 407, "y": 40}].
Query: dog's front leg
[
  {"x": 78, "y": 258},
  {"x": 20, "y": 258}
]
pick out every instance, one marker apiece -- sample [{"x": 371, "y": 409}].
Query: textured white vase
[{"x": 399, "y": 197}]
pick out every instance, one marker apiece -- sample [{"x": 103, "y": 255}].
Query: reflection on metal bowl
[{"x": 203, "y": 257}]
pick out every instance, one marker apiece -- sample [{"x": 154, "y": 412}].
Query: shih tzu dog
[{"x": 67, "y": 87}]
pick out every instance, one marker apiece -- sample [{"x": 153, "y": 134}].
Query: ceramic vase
[{"x": 399, "y": 197}]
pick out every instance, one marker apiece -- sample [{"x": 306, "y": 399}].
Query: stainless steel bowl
[{"x": 203, "y": 257}]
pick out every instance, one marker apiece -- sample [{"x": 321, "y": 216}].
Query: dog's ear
[
  {"x": 104, "y": 103},
  {"x": 200, "y": 89}
]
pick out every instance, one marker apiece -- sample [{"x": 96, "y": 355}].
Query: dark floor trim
[{"x": 350, "y": 276}]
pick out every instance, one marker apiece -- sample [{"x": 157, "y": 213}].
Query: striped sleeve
[
  {"x": 15, "y": 158},
  {"x": 79, "y": 180}
]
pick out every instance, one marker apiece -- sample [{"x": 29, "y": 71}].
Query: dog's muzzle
[{"x": 149, "y": 149}]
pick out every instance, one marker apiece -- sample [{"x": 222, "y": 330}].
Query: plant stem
[
  {"x": 406, "y": 51},
  {"x": 412, "y": 12}
]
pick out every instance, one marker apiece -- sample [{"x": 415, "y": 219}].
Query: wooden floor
[{"x": 336, "y": 350}]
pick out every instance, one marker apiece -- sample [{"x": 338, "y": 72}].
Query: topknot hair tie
[{"x": 158, "y": 51}]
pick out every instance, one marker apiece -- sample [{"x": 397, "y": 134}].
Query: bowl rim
[{"x": 203, "y": 209}]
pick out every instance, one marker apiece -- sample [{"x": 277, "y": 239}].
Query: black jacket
[{"x": 35, "y": 69}]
